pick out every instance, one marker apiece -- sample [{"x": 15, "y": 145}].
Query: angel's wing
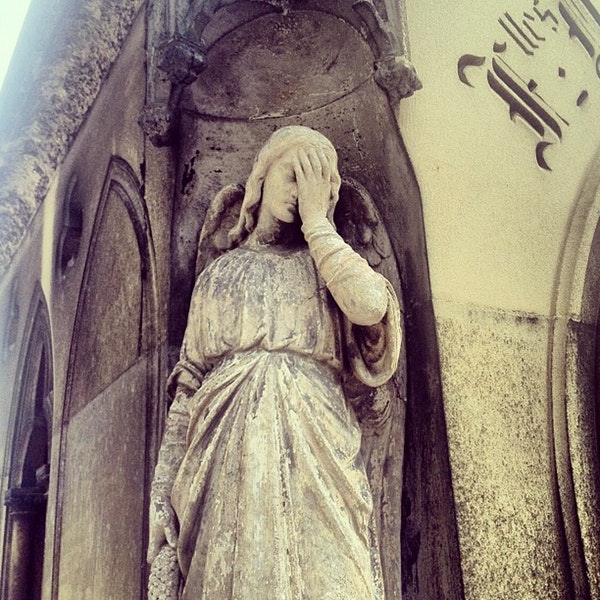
[
  {"x": 381, "y": 411},
  {"x": 221, "y": 217},
  {"x": 359, "y": 223}
]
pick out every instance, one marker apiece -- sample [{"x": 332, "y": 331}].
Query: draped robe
[{"x": 272, "y": 497}]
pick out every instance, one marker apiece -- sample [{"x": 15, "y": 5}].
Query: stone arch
[
  {"x": 108, "y": 418},
  {"x": 27, "y": 467},
  {"x": 575, "y": 387},
  {"x": 116, "y": 291}
]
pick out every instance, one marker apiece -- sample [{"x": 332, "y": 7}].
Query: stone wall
[
  {"x": 65, "y": 51},
  {"x": 509, "y": 218},
  {"x": 90, "y": 247}
]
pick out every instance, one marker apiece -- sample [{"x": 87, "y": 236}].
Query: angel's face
[{"x": 280, "y": 192}]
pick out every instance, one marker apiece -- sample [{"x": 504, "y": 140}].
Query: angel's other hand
[
  {"x": 165, "y": 577},
  {"x": 313, "y": 178},
  {"x": 163, "y": 525}
]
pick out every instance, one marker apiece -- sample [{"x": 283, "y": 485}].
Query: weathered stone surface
[
  {"x": 214, "y": 150},
  {"x": 109, "y": 322},
  {"x": 574, "y": 390},
  {"x": 102, "y": 494},
  {"x": 281, "y": 73},
  {"x": 179, "y": 31},
  {"x": 580, "y": 484},
  {"x": 375, "y": 155},
  {"x": 495, "y": 379},
  {"x": 107, "y": 154},
  {"x": 41, "y": 120}
]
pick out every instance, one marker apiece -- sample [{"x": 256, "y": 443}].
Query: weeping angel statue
[{"x": 261, "y": 489}]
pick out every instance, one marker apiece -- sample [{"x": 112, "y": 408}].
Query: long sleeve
[
  {"x": 374, "y": 351},
  {"x": 173, "y": 444},
  {"x": 359, "y": 291}
]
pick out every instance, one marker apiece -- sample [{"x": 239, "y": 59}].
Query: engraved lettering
[
  {"x": 468, "y": 60},
  {"x": 575, "y": 31}
]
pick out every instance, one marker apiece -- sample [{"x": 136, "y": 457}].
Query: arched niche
[
  {"x": 27, "y": 468},
  {"x": 575, "y": 388},
  {"x": 111, "y": 394},
  {"x": 315, "y": 65}
]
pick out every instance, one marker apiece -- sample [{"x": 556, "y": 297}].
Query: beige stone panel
[
  {"x": 495, "y": 220},
  {"x": 495, "y": 388},
  {"x": 102, "y": 503},
  {"x": 110, "y": 129},
  {"x": 109, "y": 324}
]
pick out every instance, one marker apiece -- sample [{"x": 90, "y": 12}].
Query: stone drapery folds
[{"x": 267, "y": 481}]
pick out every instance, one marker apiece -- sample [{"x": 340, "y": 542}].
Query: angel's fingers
[
  {"x": 307, "y": 168},
  {"x": 298, "y": 170},
  {"x": 296, "y": 165},
  {"x": 325, "y": 166},
  {"x": 315, "y": 163}
]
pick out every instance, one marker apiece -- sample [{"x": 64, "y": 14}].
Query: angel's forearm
[
  {"x": 359, "y": 291},
  {"x": 173, "y": 446}
]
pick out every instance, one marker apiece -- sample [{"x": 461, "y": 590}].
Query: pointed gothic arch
[
  {"x": 109, "y": 413},
  {"x": 27, "y": 467}
]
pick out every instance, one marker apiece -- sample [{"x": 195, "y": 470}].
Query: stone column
[{"x": 26, "y": 516}]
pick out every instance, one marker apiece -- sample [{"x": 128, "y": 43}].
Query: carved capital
[
  {"x": 156, "y": 120},
  {"x": 397, "y": 76},
  {"x": 25, "y": 499},
  {"x": 181, "y": 59},
  {"x": 394, "y": 72}
]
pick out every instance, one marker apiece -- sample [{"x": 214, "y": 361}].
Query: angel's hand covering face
[
  {"x": 316, "y": 176},
  {"x": 280, "y": 316}
]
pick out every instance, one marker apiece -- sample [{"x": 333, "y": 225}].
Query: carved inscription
[{"x": 523, "y": 51}]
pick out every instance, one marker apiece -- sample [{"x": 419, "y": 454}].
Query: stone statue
[{"x": 261, "y": 488}]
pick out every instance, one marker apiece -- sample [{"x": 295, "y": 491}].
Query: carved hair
[{"x": 283, "y": 141}]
